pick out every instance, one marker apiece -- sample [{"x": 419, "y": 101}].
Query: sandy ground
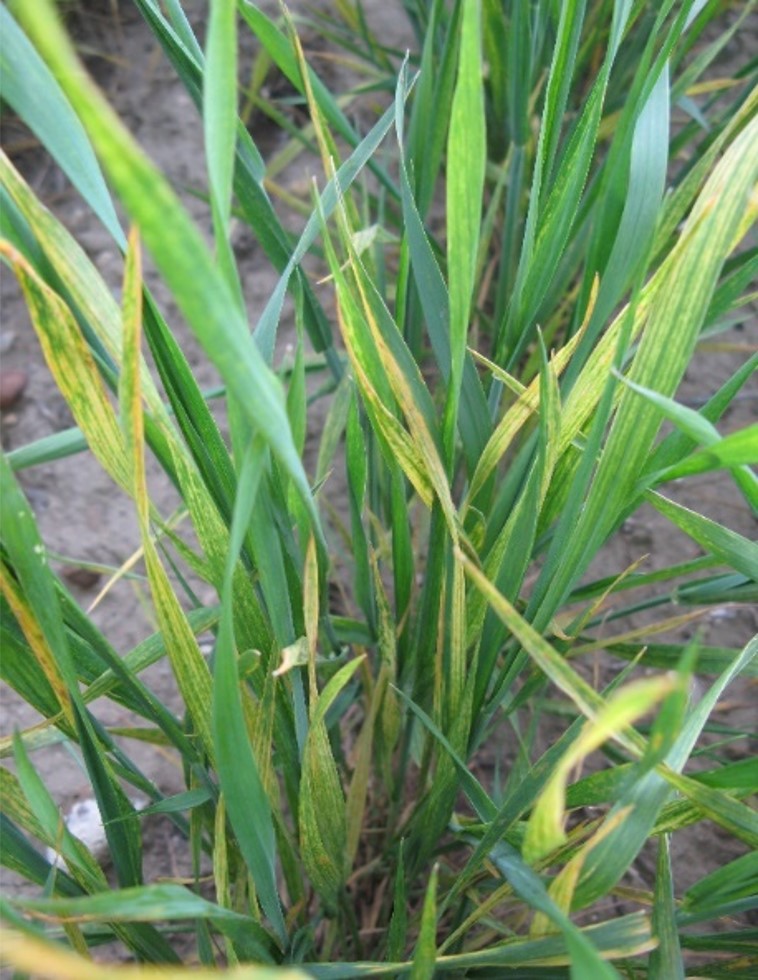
[{"x": 84, "y": 518}]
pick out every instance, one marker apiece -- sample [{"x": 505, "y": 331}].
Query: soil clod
[
  {"x": 82, "y": 578},
  {"x": 12, "y": 385}
]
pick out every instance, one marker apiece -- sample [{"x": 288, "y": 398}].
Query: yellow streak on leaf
[
  {"x": 26, "y": 619},
  {"x": 52, "y": 962},
  {"x": 562, "y": 887},
  {"x": 545, "y": 831},
  {"x": 72, "y": 365},
  {"x": 190, "y": 669},
  {"x": 525, "y": 405}
]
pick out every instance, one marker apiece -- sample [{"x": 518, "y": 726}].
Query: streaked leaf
[
  {"x": 26, "y": 952},
  {"x": 178, "y": 250},
  {"x": 239, "y": 775},
  {"x": 190, "y": 669},
  {"x": 322, "y": 816},
  {"x": 465, "y": 184},
  {"x": 545, "y": 828}
]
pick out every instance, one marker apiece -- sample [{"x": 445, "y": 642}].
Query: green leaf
[
  {"x": 736, "y": 817},
  {"x": 220, "y": 131},
  {"x": 27, "y": 85},
  {"x": 178, "y": 803},
  {"x": 741, "y": 447},
  {"x": 46, "y": 819},
  {"x": 48, "y": 449},
  {"x": 716, "y": 892},
  {"x": 474, "y": 421},
  {"x": 19, "y": 856},
  {"x": 736, "y": 449},
  {"x": 220, "y": 107},
  {"x": 398, "y": 928},
  {"x": 152, "y": 903},
  {"x": 719, "y": 541},
  {"x": 692, "y": 423},
  {"x": 665, "y": 962},
  {"x": 424, "y": 956},
  {"x": 648, "y": 161}
]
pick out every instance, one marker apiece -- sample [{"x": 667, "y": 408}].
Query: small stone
[
  {"x": 12, "y": 384},
  {"x": 7, "y": 340},
  {"x": 637, "y": 533},
  {"x": 82, "y": 578},
  {"x": 85, "y": 823}
]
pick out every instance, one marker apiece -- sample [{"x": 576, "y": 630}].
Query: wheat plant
[{"x": 510, "y": 266}]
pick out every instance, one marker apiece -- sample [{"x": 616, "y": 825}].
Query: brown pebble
[
  {"x": 12, "y": 384},
  {"x": 82, "y": 578}
]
